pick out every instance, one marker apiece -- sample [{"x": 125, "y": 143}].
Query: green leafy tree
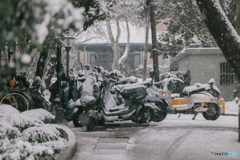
[{"x": 26, "y": 25}]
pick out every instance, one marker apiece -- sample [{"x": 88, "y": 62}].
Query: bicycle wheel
[{"x": 16, "y": 100}]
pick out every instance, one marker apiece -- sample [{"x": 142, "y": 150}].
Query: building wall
[
  {"x": 204, "y": 64},
  {"x": 183, "y": 64}
]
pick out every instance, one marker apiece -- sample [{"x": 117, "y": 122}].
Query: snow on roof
[
  {"x": 137, "y": 34},
  {"x": 191, "y": 51}
]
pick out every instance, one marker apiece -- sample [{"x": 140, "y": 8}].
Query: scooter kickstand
[
  {"x": 179, "y": 115},
  {"x": 195, "y": 114}
]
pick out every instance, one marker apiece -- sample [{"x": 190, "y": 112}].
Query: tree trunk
[
  {"x": 114, "y": 44},
  {"x": 145, "y": 54},
  {"x": 237, "y": 84},
  {"x": 154, "y": 41},
  {"x": 42, "y": 62},
  {"x": 127, "y": 49},
  {"x": 51, "y": 70},
  {"x": 238, "y": 16},
  {"x": 224, "y": 34}
]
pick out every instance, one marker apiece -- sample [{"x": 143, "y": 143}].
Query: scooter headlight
[{"x": 95, "y": 88}]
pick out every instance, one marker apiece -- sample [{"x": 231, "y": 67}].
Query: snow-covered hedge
[
  {"x": 23, "y": 122},
  {"x": 41, "y": 134},
  {"x": 25, "y": 136},
  {"x": 5, "y": 109},
  {"x": 18, "y": 149},
  {"x": 7, "y": 130},
  {"x": 40, "y": 114}
]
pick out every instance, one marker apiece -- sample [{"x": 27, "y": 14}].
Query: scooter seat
[
  {"x": 188, "y": 91},
  {"x": 145, "y": 83},
  {"x": 136, "y": 90}
]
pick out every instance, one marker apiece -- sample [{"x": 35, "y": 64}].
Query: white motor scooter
[{"x": 201, "y": 98}]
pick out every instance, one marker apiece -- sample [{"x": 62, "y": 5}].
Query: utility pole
[
  {"x": 59, "y": 109},
  {"x": 154, "y": 41},
  {"x": 145, "y": 54},
  {"x": 237, "y": 81}
]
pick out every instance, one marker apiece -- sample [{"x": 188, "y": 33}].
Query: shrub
[
  {"x": 18, "y": 149},
  {"x": 41, "y": 134},
  {"x": 22, "y": 122},
  {"x": 6, "y": 130},
  {"x": 40, "y": 114}
]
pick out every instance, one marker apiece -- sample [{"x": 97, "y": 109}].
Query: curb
[{"x": 68, "y": 151}]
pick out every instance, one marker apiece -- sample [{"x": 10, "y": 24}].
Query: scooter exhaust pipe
[{"x": 116, "y": 118}]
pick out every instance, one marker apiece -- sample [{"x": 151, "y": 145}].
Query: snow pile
[
  {"x": 7, "y": 109},
  {"x": 40, "y": 114},
  {"x": 231, "y": 107}
]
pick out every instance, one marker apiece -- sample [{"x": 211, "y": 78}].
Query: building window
[{"x": 226, "y": 74}]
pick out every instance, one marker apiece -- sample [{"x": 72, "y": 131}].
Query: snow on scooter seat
[{"x": 198, "y": 87}]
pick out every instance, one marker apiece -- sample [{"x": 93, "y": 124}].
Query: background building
[{"x": 207, "y": 63}]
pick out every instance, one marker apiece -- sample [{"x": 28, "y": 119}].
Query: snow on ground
[
  {"x": 231, "y": 107},
  {"x": 186, "y": 120}
]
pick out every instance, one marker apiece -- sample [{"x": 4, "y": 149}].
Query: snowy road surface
[{"x": 172, "y": 139}]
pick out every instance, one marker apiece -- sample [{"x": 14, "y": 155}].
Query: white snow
[
  {"x": 199, "y": 86},
  {"x": 231, "y": 107},
  {"x": 41, "y": 134},
  {"x": 88, "y": 85},
  {"x": 40, "y": 114},
  {"x": 125, "y": 54},
  {"x": 12, "y": 122},
  {"x": 7, "y": 109},
  {"x": 26, "y": 59}
]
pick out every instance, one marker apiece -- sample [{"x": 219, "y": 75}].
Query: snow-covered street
[{"x": 173, "y": 138}]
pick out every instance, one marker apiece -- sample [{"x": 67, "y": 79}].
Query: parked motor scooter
[
  {"x": 153, "y": 98},
  {"x": 201, "y": 98},
  {"x": 101, "y": 107}
]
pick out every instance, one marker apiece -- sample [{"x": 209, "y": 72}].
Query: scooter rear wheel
[{"x": 212, "y": 113}]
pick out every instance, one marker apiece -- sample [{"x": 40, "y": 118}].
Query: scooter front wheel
[
  {"x": 212, "y": 113},
  {"x": 76, "y": 118},
  {"x": 160, "y": 115},
  {"x": 81, "y": 119}
]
